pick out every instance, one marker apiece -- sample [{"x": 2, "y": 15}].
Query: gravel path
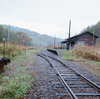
[{"x": 43, "y": 86}]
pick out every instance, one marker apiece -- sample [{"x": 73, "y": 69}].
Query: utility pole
[
  {"x": 69, "y": 35},
  {"x": 93, "y": 36},
  {"x": 4, "y": 48},
  {"x": 8, "y": 32},
  {"x": 25, "y": 43},
  {"x": 54, "y": 41}
]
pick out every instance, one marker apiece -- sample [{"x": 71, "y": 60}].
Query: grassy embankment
[
  {"x": 86, "y": 56},
  {"x": 17, "y": 76}
]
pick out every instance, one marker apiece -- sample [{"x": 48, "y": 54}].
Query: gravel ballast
[
  {"x": 45, "y": 80},
  {"x": 43, "y": 86}
]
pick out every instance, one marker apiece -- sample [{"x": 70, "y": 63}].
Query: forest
[
  {"x": 15, "y": 38},
  {"x": 93, "y": 28}
]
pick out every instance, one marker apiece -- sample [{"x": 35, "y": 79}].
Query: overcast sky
[{"x": 50, "y": 17}]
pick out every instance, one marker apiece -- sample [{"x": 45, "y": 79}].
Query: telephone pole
[
  {"x": 69, "y": 35},
  {"x": 54, "y": 41},
  {"x": 8, "y": 32}
]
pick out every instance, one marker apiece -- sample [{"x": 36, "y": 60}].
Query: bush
[
  {"x": 87, "y": 52},
  {"x": 10, "y": 50}
]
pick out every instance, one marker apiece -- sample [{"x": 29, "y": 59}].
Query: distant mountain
[
  {"x": 38, "y": 39},
  {"x": 17, "y": 29}
]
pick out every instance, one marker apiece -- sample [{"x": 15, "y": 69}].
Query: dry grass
[
  {"x": 87, "y": 52},
  {"x": 89, "y": 57},
  {"x": 52, "y": 47},
  {"x": 90, "y": 65},
  {"x": 12, "y": 50}
]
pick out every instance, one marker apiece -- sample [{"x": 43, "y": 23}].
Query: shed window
[{"x": 81, "y": 42}]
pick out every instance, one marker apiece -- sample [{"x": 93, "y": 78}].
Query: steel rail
[
  {"x": 91, "y": 83},
  {"x": 84, "y": 78},
  {"x": 41, "y": 55},
  {"x": 58, "y": 74}
]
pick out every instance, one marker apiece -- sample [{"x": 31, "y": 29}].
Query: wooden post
[
  {"x": 4, "y": 48},
  {"x": 69, "y": 35},
  {"x": 61, "y": 45},
  {"x": 54, "y": 41}
]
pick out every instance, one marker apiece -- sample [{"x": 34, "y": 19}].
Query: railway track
[{"x": 76, "y": 86}]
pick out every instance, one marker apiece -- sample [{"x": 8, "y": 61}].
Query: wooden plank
[
  {"x": 76, "y": 79},
  {"x": 66, "y": 74},
  {"x": 80, "y": 94},
  {"x": 73, "y": 86},
  {"x": 61, "y": 94},
  {"x": 87, "y": 94}
]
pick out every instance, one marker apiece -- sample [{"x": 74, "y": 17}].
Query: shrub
[
  {"x": 12, "y": 50},
  {"x": 87, "y": 52}
]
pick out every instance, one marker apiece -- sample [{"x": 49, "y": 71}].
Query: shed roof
[{"x": 87, "y": 32}]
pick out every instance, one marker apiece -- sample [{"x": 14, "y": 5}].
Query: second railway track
[{"x": 73, "y": 84}]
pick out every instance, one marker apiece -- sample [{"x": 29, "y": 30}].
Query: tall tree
[
  {"x": 17, "y": 38},
  {"x": 22, "y": 38}
]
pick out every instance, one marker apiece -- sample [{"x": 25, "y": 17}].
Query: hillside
[
  {"x": 38, "y": 39},
  {"x": 93, "y": 28}
]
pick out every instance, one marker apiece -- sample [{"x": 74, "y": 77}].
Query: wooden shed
[{"x": 85, "y": 38}]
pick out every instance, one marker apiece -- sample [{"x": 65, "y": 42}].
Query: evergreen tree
[{"x": 93, "y": 28}]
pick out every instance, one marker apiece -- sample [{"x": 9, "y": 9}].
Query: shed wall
[{"x": 88, "y": 39}]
